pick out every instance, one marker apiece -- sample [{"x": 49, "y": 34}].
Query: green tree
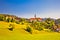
[
  {"x": 1, "y": 18},
  {"x": 49, "y": 23},
  {"x": 37, "y": 25},
  {"x": 8, "y": 20},
  {"x": 29, "y": 29},
  {"x": 12, "y": 20}
]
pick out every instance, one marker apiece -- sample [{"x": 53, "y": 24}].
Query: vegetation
[
  {"x": 28, "y": 29},
  {"x": 1, "y": 18},
  {"x": 11, "y": 27},
  {"x": 50, "y": 24},
  {"x": 39, "y": 30}
]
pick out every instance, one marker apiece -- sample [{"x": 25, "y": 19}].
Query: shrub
[
  {"x": 11, "y": 27},
  {"x": 17, "y": 22},
  {"x": 39, "y": 28},
  {"x": 29, "y": 29},
  {"x": 48, "y": 30},
  {"x": 22, "y": 23}
]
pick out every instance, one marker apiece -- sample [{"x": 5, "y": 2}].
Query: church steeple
[{"x": 35, "y": 15}]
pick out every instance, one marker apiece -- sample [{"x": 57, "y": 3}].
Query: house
[
  {"x": 35, "y": 18},
  {"x": 17, "y": 19},
  {"x": 13, "y": 17},
  {"x": 58, "y": 30}
]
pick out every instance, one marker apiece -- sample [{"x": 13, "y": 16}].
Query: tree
[
  {"x": 29, "y": 29},
  {"x": 49, "y": 23},
  {"x": 1, "y": 18},
  {"x": 37, "y": 25},
  {"x": 4, "y": 18},
  {"x": 12, "y": 20},
  {"x": 8, "y": 20}
]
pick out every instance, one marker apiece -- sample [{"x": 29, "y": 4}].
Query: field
[{"x": 20, "y": 34}]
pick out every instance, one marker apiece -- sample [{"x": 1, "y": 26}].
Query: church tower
[{"x": 35, "y": 15}]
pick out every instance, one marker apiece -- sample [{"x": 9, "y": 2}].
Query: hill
[
  {"x": 26, "y": 30},
  {"x": 20, "y": 34}
]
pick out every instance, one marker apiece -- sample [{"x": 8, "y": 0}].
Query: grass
[{"x": 20, "y": 34}]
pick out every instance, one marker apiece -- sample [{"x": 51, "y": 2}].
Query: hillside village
[{"x": 35, "y": 23}]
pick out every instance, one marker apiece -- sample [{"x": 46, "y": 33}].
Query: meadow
[{"x": 19, "y": 34}]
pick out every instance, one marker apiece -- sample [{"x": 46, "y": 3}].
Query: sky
[{"x": 28, "y": 8}]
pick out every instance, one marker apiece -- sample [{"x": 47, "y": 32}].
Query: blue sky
[{"x": 28, "y": 8}]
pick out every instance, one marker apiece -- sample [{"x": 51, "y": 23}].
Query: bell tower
[{"x": 35, "y": 15}]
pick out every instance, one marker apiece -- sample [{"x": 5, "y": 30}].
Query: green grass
[{"x": 20, "y": 34}]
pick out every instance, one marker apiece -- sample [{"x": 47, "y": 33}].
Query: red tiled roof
[{"x": 35, "y": 18}]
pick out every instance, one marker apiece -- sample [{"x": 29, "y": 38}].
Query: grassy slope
[{"x": 20, "y": 34}]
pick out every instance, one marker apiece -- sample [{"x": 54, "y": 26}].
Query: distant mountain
[{"x": 46, "y": 18}]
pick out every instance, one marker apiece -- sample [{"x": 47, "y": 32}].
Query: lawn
[{"x": 20, "y": 34}]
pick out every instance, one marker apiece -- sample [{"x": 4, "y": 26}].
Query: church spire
[{"x": 35, "y": 15}]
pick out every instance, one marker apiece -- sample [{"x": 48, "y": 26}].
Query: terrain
[
  {"x": 19, "y": 34},
  {"x": 16, "y": 28}
]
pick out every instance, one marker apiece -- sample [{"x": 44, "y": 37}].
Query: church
[{"x": 35, "y": 18}]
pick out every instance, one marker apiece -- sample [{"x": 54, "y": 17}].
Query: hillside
[
  {"x": 48, "y": 24},
  {"x": 24, "y": 29},
  {"x": 20, "y": 34}
]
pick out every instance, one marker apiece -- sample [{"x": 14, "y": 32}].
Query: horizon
[
  {"x": 30, "y": 17},
  {"x": 28, "y": 8}
]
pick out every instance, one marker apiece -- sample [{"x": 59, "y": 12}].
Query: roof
[{"x": 35, "y": 18}]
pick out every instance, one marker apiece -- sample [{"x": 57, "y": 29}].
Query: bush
[
  {"x": 22, "y": 23},
  {"x": 17, "y": 22},
  {"x": 48, "y": 30},
  {"x": 11, "y": 27},
  {"x": 29, "y": 30},
  {"x": 39, "y": 28}
]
